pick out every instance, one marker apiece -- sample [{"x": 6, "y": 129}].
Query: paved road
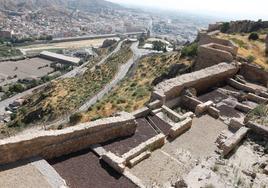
[{"x": 70, "y": 74}]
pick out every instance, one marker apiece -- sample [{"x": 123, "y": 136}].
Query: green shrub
[
  {"x": 253, "y": 36},
  {"x": 190, "y": 50},
  {"x": 76, "y": 118},
  {"x": 251, "y": 58},
  {"x": 225, "y": 27}
]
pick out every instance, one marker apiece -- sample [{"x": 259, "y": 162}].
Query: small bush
[
  {"x": 251, "y": 58},
  {"x": 76, "y": 118},
  {"x": 190, "y": 50},
  {"x": 253, "y": 36},
  {"x": 225, "y": 27}
]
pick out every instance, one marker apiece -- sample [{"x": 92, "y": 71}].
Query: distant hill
[{"x": 85, "y": 5}]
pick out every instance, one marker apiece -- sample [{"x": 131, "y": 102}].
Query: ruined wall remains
[
  {"x": 214, "y": 27},
  {"x": 266, "y": 43},
  {"x": 200, "y": 80},
  {"x": 205, "y": 37},
  {"x": 212, "y": 54},
  {"x": 254, "y": 73},
  {"x": 213, "y": 50},
  {"x": 50, "y": 144},
  {"x": 246, "y": 26}
]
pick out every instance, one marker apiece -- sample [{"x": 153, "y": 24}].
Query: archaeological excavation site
[{"x": 205, "y": 128}]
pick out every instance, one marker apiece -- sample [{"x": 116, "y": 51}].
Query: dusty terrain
[
  {"x": 249, "y": 48},
  {"x": 96, "y": 43},
  {"x": 35, "y": 67}
]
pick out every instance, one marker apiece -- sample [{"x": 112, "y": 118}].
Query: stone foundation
[
  {"x": 200, "y": 80},
  {"x": 51, "y": 144}
]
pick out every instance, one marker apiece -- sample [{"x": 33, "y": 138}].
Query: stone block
[
  {"x": 234, "y": 140},
  {"x": 139, "y": 158},
  {"x": 180, "y": 128},
  {"x": 117, "y": 163}
]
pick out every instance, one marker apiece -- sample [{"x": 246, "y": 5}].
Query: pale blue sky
[{"x": 236, "y": 9}]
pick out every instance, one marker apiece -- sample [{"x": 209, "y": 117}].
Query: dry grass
[
  {"x": 135, "y": 91},
  {"x": 249, "y": 48},
  {"x": 65, "y": 96}
]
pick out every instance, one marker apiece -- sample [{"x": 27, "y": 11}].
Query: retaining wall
[
  {"x": 200, "y": 80},
  {"x": 254, "y": 73},
  {"x": 50, "y": 144},
  {"x": 212, "y": 54}
]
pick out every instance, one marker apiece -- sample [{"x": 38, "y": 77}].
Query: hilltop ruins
[{"x": 194, "y": 132}]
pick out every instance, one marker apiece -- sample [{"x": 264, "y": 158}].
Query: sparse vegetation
[
  {"x": 259, "y": 114},
  {"x": 251, "y": 58},
  {"x": 8, "y": 51},
  {"x": 135, "y": 91},
  {"x": 253, "y": 36},
  {"x": 64, "y": 96},
  {"x": 190, "y": 50}
]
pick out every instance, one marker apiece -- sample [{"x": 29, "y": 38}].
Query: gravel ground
[
  {"x": 84, "y": 170},
  {"x": 120, "y": 146},
  {"x": 200, "y": 139},
  {"x": 178, "y": 157},
  {"x": 22, "y": 176}
]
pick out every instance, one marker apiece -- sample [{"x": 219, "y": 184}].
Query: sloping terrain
[
  {"x": 249, "y": 49},
  {"x": 134, "y": 91}
]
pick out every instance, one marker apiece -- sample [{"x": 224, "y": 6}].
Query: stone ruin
[
  {"x": 266, "y": 42},
  {"x": 191, "y": 134},
  {"x": 212, "y": 50}
]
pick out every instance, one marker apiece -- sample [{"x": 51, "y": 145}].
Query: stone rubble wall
[
  {"x": 234, "y": 140},
  {"x": 200, "y": 80},
  {"x": 50, "y": 144},
  {"x": 266, "y": 45},
  {"x": 254, "y": 73},
  {"x": 210, "y": 54},
  {"x": 205, "y": 37}
]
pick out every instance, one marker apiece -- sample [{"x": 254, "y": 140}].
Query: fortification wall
[
  {"x": 212, "y": 54},
  {"x": 200, "y": 80},
  {"x": 205, "y": 37},
  {"x": 266, "y": 42},
  {"x": 254, "y": 74},
  {"x": 50, "y": 144}
]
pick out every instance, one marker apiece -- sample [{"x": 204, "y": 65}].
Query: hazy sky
[{"x": 234, "y": 9}]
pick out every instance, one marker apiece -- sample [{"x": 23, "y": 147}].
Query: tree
[
  {"x": 225, "y": 27},
  {"x": 253, "y": 36},
  {"x": 159, "y": 46},
  {"x": 189, "y": 50},
  {"x": 76, "y": 118}
]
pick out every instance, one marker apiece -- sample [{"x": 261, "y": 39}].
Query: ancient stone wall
[
  {"x": 266, "y": 45},
  {"x": 200, "y": 80},
  {"x": 205, "y": 37},
  {"x": 50, "y": 144},
  {"x": 212, "y": 54},
  {"x": 246, "y": 26},
  {"x": 214, "y": 27},
  {"x": 254, "y": 73}
]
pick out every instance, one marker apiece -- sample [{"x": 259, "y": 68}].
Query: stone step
[{"x": 139, "y": 158}]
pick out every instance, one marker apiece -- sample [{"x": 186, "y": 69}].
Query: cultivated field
[{"x": 11, "y": 71}]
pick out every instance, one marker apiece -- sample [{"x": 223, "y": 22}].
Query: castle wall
[
  {"x": 266, "y": 45},
  {"x": 50, "y": 144},
  {"x": 212, "y": 54},
  {"x": 200, "y": 80}
]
